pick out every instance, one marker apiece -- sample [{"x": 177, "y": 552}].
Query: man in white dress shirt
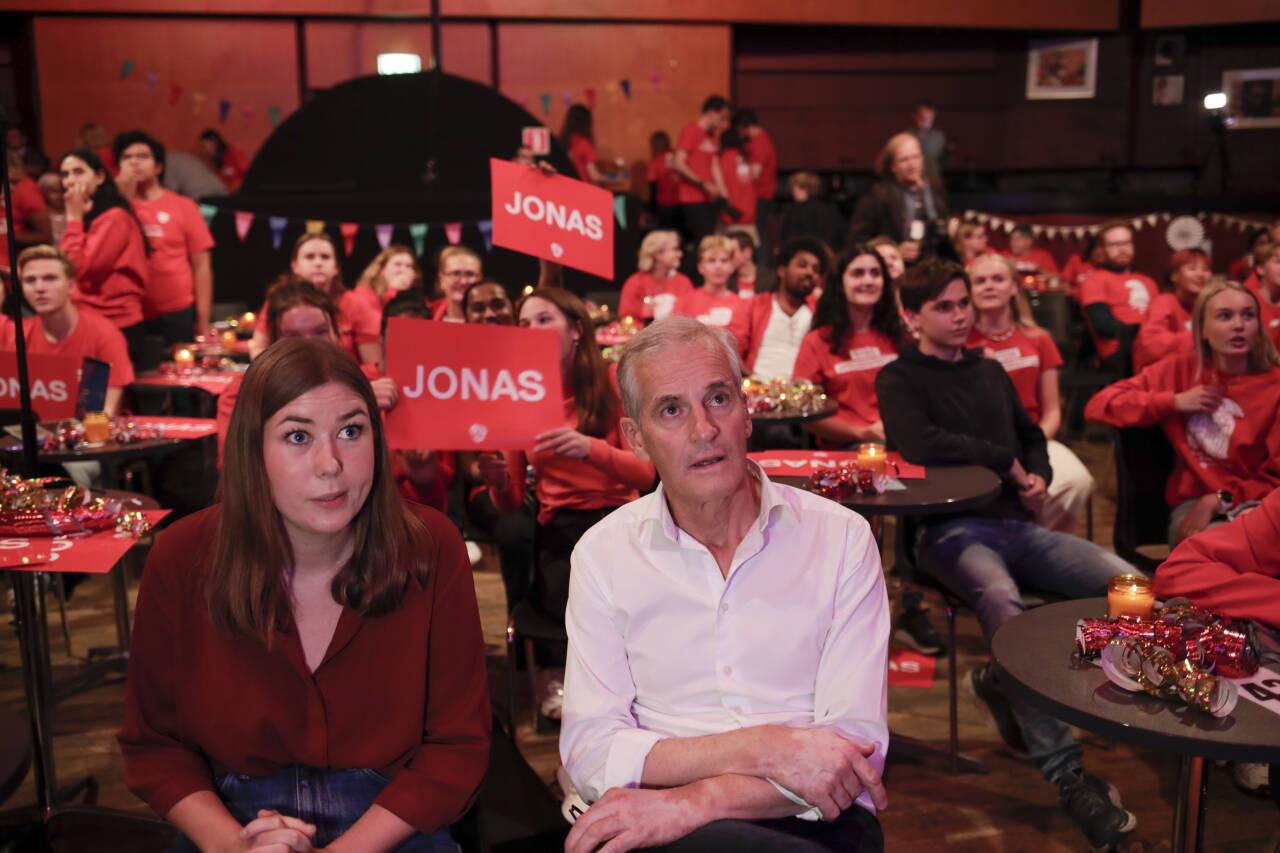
[{"x": 728, "y": 636}]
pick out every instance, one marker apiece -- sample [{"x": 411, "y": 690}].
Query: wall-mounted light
[
  {"x": 1215, "y": 100},
  {"x": 399, "y": 63}
]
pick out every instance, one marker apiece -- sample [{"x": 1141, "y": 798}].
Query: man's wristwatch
[{"x": 1225, "y": 502}]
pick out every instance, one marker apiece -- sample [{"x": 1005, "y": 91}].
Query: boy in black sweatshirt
[{"x": 943, "y": 404}]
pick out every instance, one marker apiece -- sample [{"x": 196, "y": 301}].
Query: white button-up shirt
[{"x": 661, "y": 645}]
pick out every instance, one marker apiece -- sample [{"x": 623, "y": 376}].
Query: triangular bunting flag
[
  {"x": 546, "y": 102},
  {"x": 277, "y": 224},
  {"x": 567, "y": 97},
  {"x": 626, "y": 88},
  {"x": 620, "y": 211},
  {"x": 315, "y": 226},
  {"x": 273, "y": 113},
  {"x": 1035, "y": 230},
  {"x": 247, "y": 111},
  {"x": 486, "y": 231},
  {"x": 1007, "y": 225},
  {"x": 224, "y": 107},
  {"x": 1152, "y": 219},
  {"x": 383, "y": 233},
  {"x": 197, "y": 101},
  {"x": 453, "y": 232},
  {"x": 349, "y": 230},
  {"x": 208, "y": 211},
  {"x": 655, "y": 76},
  {"x": 418, "y": 231},
  {"x": 152, "y": 79},
  {"x": 175, "y": 94},
  {"x": 611, "y": 88},
  {"x": 127, "y": 68},
  {"x": 590, "y": 92},
  {"x": 523, "y": 101},
  {"x": 244, "y": 219}
]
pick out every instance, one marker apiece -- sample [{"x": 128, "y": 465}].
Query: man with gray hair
[{"x": 728, "y": 636}]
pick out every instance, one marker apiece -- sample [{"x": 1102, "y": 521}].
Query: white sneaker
[
  {"x": 552, "y": 700},
  {"x": 474, "y": 554},
  {"x": 1252, "y": 778},
  {"x": 572, "y": 806}
]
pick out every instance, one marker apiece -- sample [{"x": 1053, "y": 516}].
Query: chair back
[{"x": 1144, "y": 461}]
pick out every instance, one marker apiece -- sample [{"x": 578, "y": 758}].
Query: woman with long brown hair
[
  {"x": 392, "y": 272},
  {"x": 307, "y": 665},
  {"x": 583, "y": 470}
]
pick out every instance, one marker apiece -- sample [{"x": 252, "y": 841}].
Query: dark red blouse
[{"x": 404, "y": 694}]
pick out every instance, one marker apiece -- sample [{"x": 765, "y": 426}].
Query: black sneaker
[
  {"x": 1094, "y": 806},
  {"x": 913, "y": 629},
  {"x": 986, "y": 693}
]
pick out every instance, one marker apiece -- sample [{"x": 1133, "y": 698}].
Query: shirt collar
[{"x": 773, "y": 505}]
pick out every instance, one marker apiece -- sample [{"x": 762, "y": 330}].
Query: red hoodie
[
  {"x": 1236, "y": 448},
  {"x": 111, "y": 265},
  {"x": 1232, "y": 569},
  {"x": 1165, "y": 330}
]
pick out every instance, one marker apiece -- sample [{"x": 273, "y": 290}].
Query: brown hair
[
  {"x": 926, "y": 280},
  {"x": 593, "y": 396},
  {"x": 372, "y": 274},
  {"x": 247, "y": 587},
  {"x": 290, "y": 291},
  {"x": 1018, "y": 304},
  {"x": 336, "y": 286},
  {"x": 807, "y": 181},
  {"x": 1262, "y": 357},
  {"x": 44, "y": 252},
  {"x": 884, "y": 160},
  {"x": 964, "y": 231},
  {"x": 1264, "y": 253}
]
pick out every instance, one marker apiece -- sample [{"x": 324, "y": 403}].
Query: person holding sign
[
  {"x": 653, "y": 290},
  {"x": 274, "y": 627},
  {"x": 457, "y": 269},
  {"x": 582, "y": 470},
  {"x": 59, "y": 327},
  {"x": 714, "y": 303}
]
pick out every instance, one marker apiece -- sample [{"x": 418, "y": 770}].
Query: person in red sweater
[
  {"x": 392, "y": 272},
  {"x": 1266, "y": 286},
  {"x": 229, "y": 162},
  {"x": 856, "y": 332},
  {"x": 1081, "y": 264},
  {"x": 457, "y": 268},
  {"x": 577, "y": 138},
  {"x": 1218, "y": 403},
  {"x": 664, "y": 181},
  {"x": 105, "y": 241},
  {"x": 652, "y": 292},
  {"x": 1026, "y": 256},
  {"x": 179, "y": 295},
  {"x": 59, "y": 327},
  {"x": 770, "y": 327},
  {"x": 713, "y": 303},
  {"x": 1005, "y": 330},
  {"x": 740, "y": 212},
  {"x": 699, "y": 168},
  {"x": 1167, "y": 327},
  {"x": 583, "y": 470},
  {"x": 1113, "y": 295},
  {"x": 271, "y": 625},
  {"x": 763, "y": 157}
]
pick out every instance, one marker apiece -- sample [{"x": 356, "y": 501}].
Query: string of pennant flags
[
  {"x": 198, "y": 99},
  {"x": 621, "y": 87},
  {"x": 383, "y": 231},
  {"x": 1079, "y": 232}
]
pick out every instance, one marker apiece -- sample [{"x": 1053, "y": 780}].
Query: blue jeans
[
  {"x": 985, "y": 561},
  {"x": 330, "y": 799}
]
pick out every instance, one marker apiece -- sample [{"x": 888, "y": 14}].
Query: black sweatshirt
[{"x": 965, "y": 412}]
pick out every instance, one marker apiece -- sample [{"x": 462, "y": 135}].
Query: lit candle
[
  {"x": 248, "y": 320},
  {"x": 872, "y": 456},
  {"x": 1130, "y": 596},
  {"x": 97, "y": 428},
  {"x": 228, "y": 339},
  {"x": 184, "y": 357}
]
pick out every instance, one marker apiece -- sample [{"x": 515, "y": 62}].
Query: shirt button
[
  {"x": 724, "y": 607},
  {"x": 728, "y": 670}
]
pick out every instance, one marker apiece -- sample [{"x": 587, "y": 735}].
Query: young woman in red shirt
[
  {"x": 1167, "y": 327},
  {"x": 457, "y": 268},
  {"x": 105, "y": 241},
  {"x": 1266, "y": 286},
  {"x": 230, "y": 163},
  {"x": 393, "y": 271},
  {"x": 1219, "y": 403},
  {"x": 971, "y": 242},
  {"x": 273, "y": 624},
  {"x": 583, "y": 470},
  {"x": 652, "y": 292},
  {"x": 1006, "y": 331},
  {"x": 856, "y": 331}
]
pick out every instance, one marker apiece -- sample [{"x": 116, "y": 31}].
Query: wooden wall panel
[
  {"x": 341, "y": 50},
  {"x": 1199, "y": 13},
  {"x": 245, "y": 62},
  {"x": 693, "y": 62}
]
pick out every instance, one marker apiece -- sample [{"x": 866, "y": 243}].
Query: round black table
[
  {"x": 828, "y": 410},
  {"x": 110, "y": 454},
  {"x": 945, "y": 489},
  {"x": 1035, "y": 655}
]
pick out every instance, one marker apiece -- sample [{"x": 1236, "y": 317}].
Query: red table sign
[
  {"x": 175, "y": 427},
  {"x": 536, "y": 139},
  {"x": 467, "y": 386},
  {"x": 802, "y": 463},
  {"x": 910, "y": 669},
  {"x": 95, "y": 553},
  {"x": 552, "y": 217},
  {"x": 55, "y": 382}
]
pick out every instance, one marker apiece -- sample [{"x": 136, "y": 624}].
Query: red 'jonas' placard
[
  {"x": 55, "y": 382},
  {"x": 553, "y": 217},
  {"x": 467, "y": 386}
]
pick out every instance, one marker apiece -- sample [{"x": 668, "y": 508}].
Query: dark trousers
[
  {"x": 512, "y": 533},
  {"x": 699, "y": 221},
  {"x": 855, "y": 831},
  {"x": 550, "y": 592},
  {"x": 176, "y": 327},
  {"x": 133, "y": 338}
]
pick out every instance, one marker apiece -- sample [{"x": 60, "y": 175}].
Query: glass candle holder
[
  {"x": 872, "y": 457},
  {"x": 97, "y": 428},
  {"x": 1130, "y": 596}
]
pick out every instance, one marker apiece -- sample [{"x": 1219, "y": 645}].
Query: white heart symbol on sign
[
  {"x": 477, "y": 432},
  {"x": 557, "y": 249}
]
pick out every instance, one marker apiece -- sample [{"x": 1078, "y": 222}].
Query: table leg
[
  {"x": 120, "y": 594},
  {"x": 1188, "y": 811},
  {"x": 34, "y": 646}
]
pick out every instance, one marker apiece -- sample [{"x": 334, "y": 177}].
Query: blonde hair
[
  {"x": 964, "y": 231},
  {"x": 1264, "y": 253},
  {"x": 45, "y": 252},
  {"x": 454, "y": 252},
  {"x": 717, "y": 242},
  {"x": 653, "y": 243},
  {"x": 372, "y": 274},
  {"x": 1018, "y": 304},
  {"x": 807, "y": 181},
  {"x": 884, "y": 160},
  {"x": 1263, "y": 355}
]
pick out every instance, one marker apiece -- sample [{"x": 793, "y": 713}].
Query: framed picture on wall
[
  {"x": 1253, "y": 98},
  {"x": 1166, "y": 90},
  {"x": 1062, "y": 69}
]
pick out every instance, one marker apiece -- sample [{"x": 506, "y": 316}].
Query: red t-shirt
[
  {"x": 741, "y": 185},
  {"x": 849, "y": 376},
  {"x": 234, "y": 165},
  {"x": 662, "y": 173},
  {"x": 176, "y": 231},
  {"x": 1236, "y": 448},
  {"x": 1269, "y": 313},
  {"x": 363, "y": 310},
  {"x": 1024, "y": 357},
  {"x": 707, "y": 308},
  {"x": 94, "y": 336},
  {"x": 1037, "y": 258},
  {"x": 646, "y": 298},
  {"x": 1165, "y": 330},
  {"x": 581, "y": 153},
  {"x": 27, "y": 200},
  {"x": 1076, "y": 269},
  {"x": 1127, "y": 294},
  {"x": 111, "y": 265},
  {"x": 346, "y": 330},
  {"x": 700, "y": 149},
  {"x": 763, "y": 158}
]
